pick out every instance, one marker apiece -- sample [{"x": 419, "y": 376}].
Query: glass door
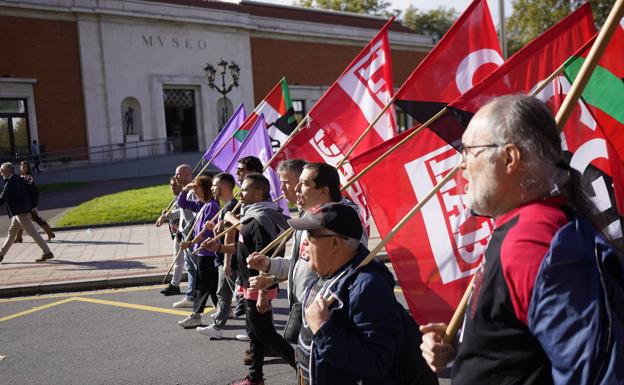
[{"x": 14, "y": 132}]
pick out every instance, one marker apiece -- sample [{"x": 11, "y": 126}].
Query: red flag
[
  {"x": 435, "y": 253},
  {"x": 526, "y": 69},
  {"x": 352, "y": 103},
  {"x": 588, "y": 151},
  {"x": 465, "y": 55},
  {"x": 345, "y": 111}
]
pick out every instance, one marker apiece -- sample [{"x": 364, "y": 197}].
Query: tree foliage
[
  {"x": 371, "y": 7},
  {"x": 532, "y": 17},
  {"x": 434, "y": 22}
]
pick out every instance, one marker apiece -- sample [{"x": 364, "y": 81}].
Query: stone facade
[{"x": 98, "y": 68}]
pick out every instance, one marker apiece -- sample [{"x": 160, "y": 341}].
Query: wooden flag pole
[
  {"x": 390, "y": 150},
  {"x": 604, "y": 36},
  {"x": 370, "y": 127},
  {"x": 404, "y": 221}
]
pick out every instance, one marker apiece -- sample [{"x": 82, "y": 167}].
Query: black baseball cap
[{"x": 337, "y": 217}]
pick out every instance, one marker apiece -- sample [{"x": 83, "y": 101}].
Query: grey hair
[
  {"x": 527, "y": 122},
  {"x": 292, "y": 165},
  {"x": 352, "y": 243},
  {"x": 7, "y": 166}
]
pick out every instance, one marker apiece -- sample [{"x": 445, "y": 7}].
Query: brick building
[{"x": 74, "y": 74}]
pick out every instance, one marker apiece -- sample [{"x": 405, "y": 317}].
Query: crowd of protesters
[{"x": 528, "y": 320}]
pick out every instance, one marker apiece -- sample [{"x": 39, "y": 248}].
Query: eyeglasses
[{"x": 465, "y": 150}]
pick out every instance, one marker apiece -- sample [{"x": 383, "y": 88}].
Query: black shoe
[
  {"x": 170, "y": 290},
  {"x": 45, "y": 257}
]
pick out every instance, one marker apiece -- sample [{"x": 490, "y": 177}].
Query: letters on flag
[
  {"x": 436, "y": 252},
  {"x": 346, "y": 110}
]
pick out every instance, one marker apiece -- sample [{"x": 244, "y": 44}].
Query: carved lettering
[
  {"x": 147, "y": 40},
  {"x": 164, "y": 41}
]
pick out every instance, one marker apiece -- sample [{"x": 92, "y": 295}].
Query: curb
[
  {"x": 102, "y": 225},
  {"x": 82, "y": 285},
  {"x": 99, "y": 284}
]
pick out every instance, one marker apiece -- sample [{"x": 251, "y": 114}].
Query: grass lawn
[{"x": 143, "y": 204}]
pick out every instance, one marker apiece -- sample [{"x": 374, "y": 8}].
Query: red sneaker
[{"x": 247, "y": 381}]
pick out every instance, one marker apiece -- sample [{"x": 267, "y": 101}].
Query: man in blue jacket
[
  {"x": 546, "y": 306},
  {"x": 352, "y": 340},
  {"x": 15, "y": 194}
]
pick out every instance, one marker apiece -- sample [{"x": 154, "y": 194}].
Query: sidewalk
[
  {"x": 105, "y": 257},
  {"x": 88, "y": 259}
]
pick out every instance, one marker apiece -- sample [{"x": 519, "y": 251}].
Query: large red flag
[
  {"x": 522, "y": 72},
  {"x": 346, "y": 110},
  {"x": 435, "y": 253},
  {"x": 465, "y": 55}
]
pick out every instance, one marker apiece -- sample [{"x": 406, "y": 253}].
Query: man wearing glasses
[
  {"x": 354, "y": 339},
  {"x": 544, "y": 310}
]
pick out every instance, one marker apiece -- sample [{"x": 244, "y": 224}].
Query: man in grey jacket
[{"x": 319, "y": 183}]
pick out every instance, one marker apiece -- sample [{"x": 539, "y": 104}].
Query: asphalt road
[{"x": 105, "y": 338}]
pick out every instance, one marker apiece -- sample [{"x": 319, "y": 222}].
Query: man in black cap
[{"x": 352, "y": 340}]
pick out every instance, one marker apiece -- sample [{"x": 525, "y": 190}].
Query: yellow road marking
[
  {"x": 36, "y": 309},
  {"x": 64, "y": 295},
  {"x": 135, "y": 306}
]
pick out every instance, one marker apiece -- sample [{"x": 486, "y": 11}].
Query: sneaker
[
  {"x": 170, "y": 290},
  {"x": 45, "y": 257},
  {"x": 184, "y": 302},
  {"x": 247, "y": 381},
  {"x": 242, "y": 337},
  {"x": 211, "y": 331},
  {"x": 192, "y": 321}
]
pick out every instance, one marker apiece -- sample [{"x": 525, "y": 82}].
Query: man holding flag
[{"x": 528, "y": 320}]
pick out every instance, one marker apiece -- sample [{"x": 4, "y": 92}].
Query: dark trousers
[
  {"x": 262, "y": 335},
  {"x": 206, "y": 282},
  {"x": 37, "y": 219}
]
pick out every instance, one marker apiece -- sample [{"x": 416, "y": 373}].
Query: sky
[{"x": 459, "y": 5}]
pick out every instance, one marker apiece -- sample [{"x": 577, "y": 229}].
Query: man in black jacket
[{"x": 15, "y": 194}]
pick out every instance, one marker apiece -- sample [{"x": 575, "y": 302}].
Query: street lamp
[{"x": 211, "y": 73}]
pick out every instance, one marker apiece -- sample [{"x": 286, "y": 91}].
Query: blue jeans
[{"x": 190, "y": 260}]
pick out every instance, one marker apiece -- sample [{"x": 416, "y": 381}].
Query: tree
[
  {"x": 434, "y": 22},
  {"x": 371, "y": 7},
  {"x": 532, "y": 17}
]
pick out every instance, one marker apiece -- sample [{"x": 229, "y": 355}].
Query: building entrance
[
  {"x": 14, "y": 133},
  {"x": 180, "y": 119}
]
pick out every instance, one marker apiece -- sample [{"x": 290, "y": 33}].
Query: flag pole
[
  {"x": 372, "y": 254},
  {"x": 391, "y": 149},
  {"x": 604, "y": 36},
  {"x": 370, "y": 126}
]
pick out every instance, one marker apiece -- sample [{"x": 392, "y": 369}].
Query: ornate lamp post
[{"x": 211, "y": 73}]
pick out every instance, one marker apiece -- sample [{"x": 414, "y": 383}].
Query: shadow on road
[{"x": 106, "y": 264}]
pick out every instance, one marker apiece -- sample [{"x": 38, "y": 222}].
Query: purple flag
[
  {"x": 227, "y": 134},
  {"x": 258, "y": 144}
]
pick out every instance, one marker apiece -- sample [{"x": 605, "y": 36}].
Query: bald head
[{"x": 184, "y": 174}]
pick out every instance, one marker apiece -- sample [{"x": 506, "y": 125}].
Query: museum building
[{"x": 90, "y": 76}]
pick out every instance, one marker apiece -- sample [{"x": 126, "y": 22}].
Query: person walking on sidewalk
[
  {"x": 27, "y": 175},
  {"x": 173, "y": 217},
  {"x": 207, "y": 276},
  {"x": 15, "y": 194},
  {"x": 183, "y": 176}
]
